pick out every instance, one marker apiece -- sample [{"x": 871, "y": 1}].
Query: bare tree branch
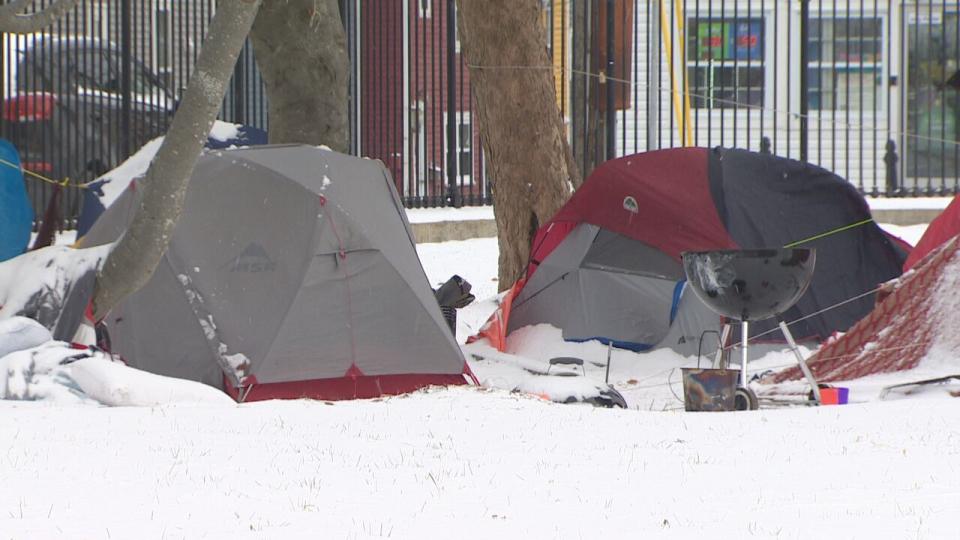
[
  {"x": 133, "y": 261},
  {"x": 13, "y": 20},
  {"x": 15, "y": 7}
]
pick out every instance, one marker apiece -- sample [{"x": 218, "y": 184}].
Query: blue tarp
[{"x": 16, "y": 214}]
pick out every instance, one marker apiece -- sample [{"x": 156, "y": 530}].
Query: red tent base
[{"x": 359, "y": 387}]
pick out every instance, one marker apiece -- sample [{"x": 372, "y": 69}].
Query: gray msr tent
[{"x": 291, "y": 273}]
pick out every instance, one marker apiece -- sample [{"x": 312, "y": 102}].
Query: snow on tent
[
  {"x": 913, "y": 326},
  {"x": 291, "y": 273},
  {"x": 52, "y": 286},
  {"x": 607, "y": 266}
]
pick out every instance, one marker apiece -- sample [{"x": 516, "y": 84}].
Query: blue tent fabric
[
  {"x": 92, "y": 207},
  {"x": 16, "y": 213}
]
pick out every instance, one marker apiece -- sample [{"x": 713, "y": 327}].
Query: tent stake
[{"x": 606, "y": 379}]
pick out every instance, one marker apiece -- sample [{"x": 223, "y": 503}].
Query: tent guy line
[
  {"x": 824, "y": 310},
  {"x": 65, "y": 182},
  {"x": 828, "y": 233}
]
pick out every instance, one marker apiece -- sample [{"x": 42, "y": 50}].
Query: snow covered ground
[{"x": 469, "y": 462}]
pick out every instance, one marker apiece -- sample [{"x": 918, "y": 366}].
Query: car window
[
  {"x": 100, "y": 70},
  {"x": 142, "y": 82},
  {"x": 89, "y": 68},
  {"x": 93, "y": 70},
  {"x": 38, "y": 70},
  {"x": 145, "y": 82}
]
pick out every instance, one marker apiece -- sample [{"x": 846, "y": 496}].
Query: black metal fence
[
  {"x": 867, "y": 88},
  {"x": 85, "y": 94}
]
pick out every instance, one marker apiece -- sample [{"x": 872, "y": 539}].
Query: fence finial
[
  {"x": 890, "y": 159},
  {"x": 765, "y": 145}
]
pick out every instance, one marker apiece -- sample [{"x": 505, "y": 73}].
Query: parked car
[{"x": 64, "y": 105}]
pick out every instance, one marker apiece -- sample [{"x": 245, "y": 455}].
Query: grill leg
[
  {"x": 803, "y": 363},
  {"x": 744, "y": 332}
]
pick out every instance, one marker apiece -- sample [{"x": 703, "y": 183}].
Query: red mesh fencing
[{"x": 895, "y": 335}]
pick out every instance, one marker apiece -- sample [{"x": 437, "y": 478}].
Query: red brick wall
[{"x": 382, "y": 106}]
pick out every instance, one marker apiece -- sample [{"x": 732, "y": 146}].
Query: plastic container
[{"x": 834, "y": 396}]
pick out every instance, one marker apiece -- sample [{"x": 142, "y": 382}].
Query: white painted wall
[{"x": 851, "y": 143}]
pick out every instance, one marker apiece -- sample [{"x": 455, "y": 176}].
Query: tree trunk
[
  {"x": 301, "y": 48},
  {"x": 528, "y": 161},
  {"x": 138, "y": 253}
]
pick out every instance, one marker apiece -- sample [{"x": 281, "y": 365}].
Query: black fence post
[
  {"x": 611, "y": 131},
  {"x": 239, "y": 78},
  {"x": 890, "y": 159},
  {"x": 804, "y": 83},
  {"x": 126, "y": 58},
  {"x": 453, "y": 194},
  {"x": 765, "y": 145}
]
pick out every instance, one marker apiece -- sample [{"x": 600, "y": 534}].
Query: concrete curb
[
  {"x": 444, "y": 231},
  {"x": 906, "y": 216}
]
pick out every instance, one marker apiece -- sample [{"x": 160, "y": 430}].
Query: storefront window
[
  {"x": 844, "y": 67},
  {"x": 933, "y": 103},
  {"x": 725, "y": 63}
]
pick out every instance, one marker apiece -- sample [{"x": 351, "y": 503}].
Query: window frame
[
  {"x": 708, "y": 96},
  {"x": 463, "y": 120},
  {"x": 878, "y": 69}
]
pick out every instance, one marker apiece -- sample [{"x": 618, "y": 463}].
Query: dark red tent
[
  {"x": 607, "y": 266},
  {"x": 942, "y": 228}
]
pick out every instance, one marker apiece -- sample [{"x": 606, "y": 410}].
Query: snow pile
[
  {"x": 113, "y": 383},
  {"x": 37, "y": 283},
  {"x": 19, "y": 333},
  {"x": 224, "y": 131},
  {"x": 41, "y": 373},
  {"x": 505, "y": 371},
  {"x": 59, "y": 373}
]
